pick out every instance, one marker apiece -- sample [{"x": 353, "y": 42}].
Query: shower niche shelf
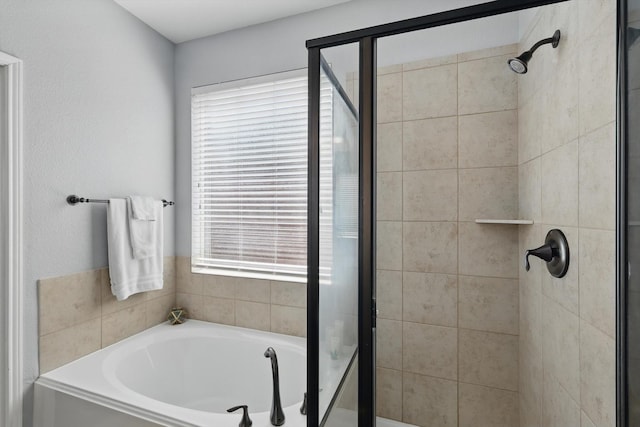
[{"x": 505, "y": 221}]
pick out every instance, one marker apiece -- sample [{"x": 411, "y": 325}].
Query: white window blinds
[{"x": 249, "y": 177}]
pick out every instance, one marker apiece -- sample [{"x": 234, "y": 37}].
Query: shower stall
[{"x": 441, "y": 150}]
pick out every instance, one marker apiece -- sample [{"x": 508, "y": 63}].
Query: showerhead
[{"x": 519, "y": 64}]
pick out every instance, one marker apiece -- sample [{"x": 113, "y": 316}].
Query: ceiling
[{"x": 183, "y": 20}]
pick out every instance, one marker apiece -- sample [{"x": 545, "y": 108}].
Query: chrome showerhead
[{"x": 520, "y": 64}]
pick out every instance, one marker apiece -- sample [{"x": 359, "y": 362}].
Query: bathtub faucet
[{"x": 277, "y": 414}]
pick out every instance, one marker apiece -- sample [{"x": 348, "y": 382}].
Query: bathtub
[{"x": 185, "y": 375}]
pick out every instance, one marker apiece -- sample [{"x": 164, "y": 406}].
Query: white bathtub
[{"x": 185, "y": 375}]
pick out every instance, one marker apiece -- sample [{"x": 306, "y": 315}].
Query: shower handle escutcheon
[
  {"x": 245, "y": 421},
  {"x": 555, "y": 252}
]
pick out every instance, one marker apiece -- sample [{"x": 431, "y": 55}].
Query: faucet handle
[
  {"x": 246, "y": 421},
  {"x": 544, "y": 252},
  {"x": 303, "y": 408}
]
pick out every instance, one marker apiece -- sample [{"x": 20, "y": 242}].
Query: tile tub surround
[
  {"x": 78, "y": 314},
  {"x": 447, "y": 287},
  {"x": 250, "y": 303},
  {"x": 566, "y": 168}
]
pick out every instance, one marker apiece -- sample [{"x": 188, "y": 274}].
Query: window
[{"x": 249, "y": 177}]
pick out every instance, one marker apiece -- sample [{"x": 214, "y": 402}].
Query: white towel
[
  {"x": 129, "y": 275},
  {"x": 143, "y": 207},
  {"x": 142, "y": 233}
]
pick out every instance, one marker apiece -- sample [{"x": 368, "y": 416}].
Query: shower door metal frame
[
  {"x": 622, "y": 224},
  {"x": 366, "y": 39}
]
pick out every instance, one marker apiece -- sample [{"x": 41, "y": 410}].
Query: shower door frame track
[{"x": 366, "y": 39}]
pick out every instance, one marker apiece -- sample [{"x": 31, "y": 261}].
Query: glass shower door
[{"x": 337, "y": 214}]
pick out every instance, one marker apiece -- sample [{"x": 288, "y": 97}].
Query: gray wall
[
  {"x": 98, "y": 122},
  {"x": 279, "y": 46}
]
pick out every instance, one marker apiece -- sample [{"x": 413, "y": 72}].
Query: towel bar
[{"x": 74, "y": 200}]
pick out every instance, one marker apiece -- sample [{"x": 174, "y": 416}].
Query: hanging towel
[
  {"x": 143, "y": 207},
  {"x": 129, "y": 275},
  {"x": 142, "y": 232}
]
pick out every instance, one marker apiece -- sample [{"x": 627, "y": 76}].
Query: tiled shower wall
[
  {"x": 447, "y": 350},
  {"x": 567, "y": 181},
  {"x": 78, "y": 314}
]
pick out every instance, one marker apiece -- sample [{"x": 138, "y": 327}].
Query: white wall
[
  {"x": 98, "y": 122},
  {"x": 280, "y": 45}
]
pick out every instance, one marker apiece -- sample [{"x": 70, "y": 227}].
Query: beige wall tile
[
  {"x": 488, "y": 53},
  {"x": 488, "y": 304},
  {"x": 598, "y": 179},
  {"x": 428, "y": 401},
  {"x": 430, "y": 247},
  {"x": 389, "y": 196},
  {"x": 486, "y": 85},
  {"x": 597, "y": 79},
  {"x": 487, "y": 407},
  {"x": 289, "y": 293},
  {"x": 488, "y": 193},
  {"x": 289, "y": 320},
  {"x": 430, "y": 350},
  {"x": 194, "y": 285},
  {"x": 158, "y": 309},
  {"x": 530, "y": 390},
  {"x": 219, "y": 310},
  {"x": 430, "y": 62},
  {"x": 389, "y": 344},
  {"x": 560, "y": 122},
  {"x": 565, "y": 291},
  {"x": 488, "y": 140},
  {"x": 559, "y": 179},
  {"x": 253, "y": 290},
  {"x": 191, "y": 303},
  {"x": 430, "y": 144},
  {"x": 560, "y": 344},
  {"x": 389, "y": 147},
  {"x": 531, "y": 322},
  {"x": 430, "y": 195},
  {"x": 597, "y": 375},
  {"x": 66, "y": 345},
  {"x": 530, "y": 190},
  {"x": 488, "y": 359},
  {"x": 597, "y": 279},
  {"x": 430, "y": 298},
  {"x": 124, "y": 323},
  {"x": 430, "y": 92},
  {"x": 69, "y": 300},
  {"x": 529, "y": 129},
  {"x": 218, "y": 286},
  {"x": 184, "y": 275},
  {"x": 253, "y": 315},
  {"x": 488, "y": 250},
  {"x": 109, "y": 302},
  {"x": 389, "y": 245},
  {"x": 558, "y": 408},
  {"x": 390, "y": 69},
  {"x": 389, "y": 294},
  {"x": 389, "y": 394},
  {"x": 389, "y": 91},
  {"x": 585, "y": 421}
]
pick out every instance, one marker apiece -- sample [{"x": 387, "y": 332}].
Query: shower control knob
[{"x": 555, "y": 252}]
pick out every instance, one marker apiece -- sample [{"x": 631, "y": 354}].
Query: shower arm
[{"x": 553, "y": 40}]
